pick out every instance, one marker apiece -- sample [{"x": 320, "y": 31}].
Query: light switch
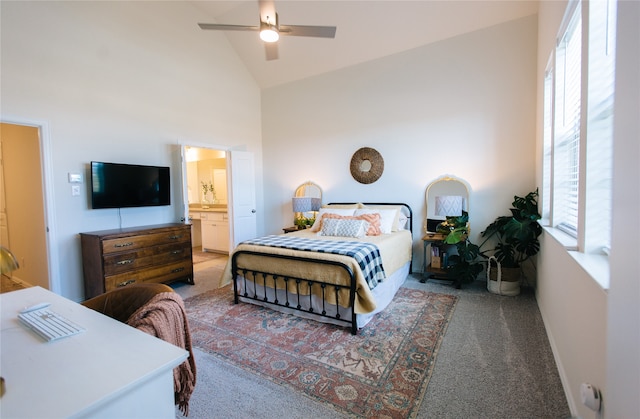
[
  {"x": 75, "y": 178},
  {"x": 75, "y": 190}
]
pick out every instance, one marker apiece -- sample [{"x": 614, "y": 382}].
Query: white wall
[
  {"x": 595, "y": 333},
  {"x": 623, "y": 332},
  {"x": 122, "y": 82},
  {"x": 463, "y": 106}
]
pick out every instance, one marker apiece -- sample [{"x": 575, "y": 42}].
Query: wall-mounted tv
[{"x": 116, "y": 185}]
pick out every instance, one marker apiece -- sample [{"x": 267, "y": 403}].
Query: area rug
[{"x": 382, "y": 372}]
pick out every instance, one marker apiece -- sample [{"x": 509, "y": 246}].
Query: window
[
  {"x": 568, "y": 96},
  {"x": 578, "y": 126}
]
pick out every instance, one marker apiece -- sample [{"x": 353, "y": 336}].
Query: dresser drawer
[
  {"x": 115, "y": 263},
  {"x": 164, "y": 273},
  {"x": 158, "y": 253},
  {"x": 122, "y": 244}
]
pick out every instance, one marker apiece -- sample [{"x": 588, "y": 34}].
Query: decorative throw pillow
[
  {"x": 398, "y": 208},
  {"x": 372, "y": 219},
  {"x": 339, "y": 211},
  {"x": 343, "y": 228},
  {"x": 387, "y": 217}
]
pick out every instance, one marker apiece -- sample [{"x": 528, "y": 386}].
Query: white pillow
[
  {"x": 339, "y": 211},
  {"x": 344, "y": 228},
  {"x": 399, "y": 213},
  {"x": 387, "y": 217},
  {"x": 402, "y": 222}
]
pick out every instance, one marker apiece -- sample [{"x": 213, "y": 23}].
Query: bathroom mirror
[{"x": 445, "y": 196}]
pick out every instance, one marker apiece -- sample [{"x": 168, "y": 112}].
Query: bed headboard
[{"x": 405, "y": 208}]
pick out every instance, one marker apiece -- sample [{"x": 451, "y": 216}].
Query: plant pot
[{"x": 502, "y": 281}]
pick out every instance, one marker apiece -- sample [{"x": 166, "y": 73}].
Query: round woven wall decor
[{"x": 367, "y": 165}]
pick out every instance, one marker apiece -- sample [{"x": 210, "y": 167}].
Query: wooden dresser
[{"x": 120, "y": 257}]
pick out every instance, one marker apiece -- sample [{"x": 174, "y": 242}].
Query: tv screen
[{"x": 115, "y": 185}]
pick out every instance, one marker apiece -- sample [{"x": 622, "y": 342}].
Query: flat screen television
[{"x": 116, "y": 185}]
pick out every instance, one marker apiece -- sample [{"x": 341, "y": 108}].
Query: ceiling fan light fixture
[{"x": 269, "y": 33}]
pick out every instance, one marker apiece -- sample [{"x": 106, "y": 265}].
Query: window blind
[
  {"x": 599, "y": 141},
  {"x": 567, "y": 127},
  {"x": 547, "y": 152}
]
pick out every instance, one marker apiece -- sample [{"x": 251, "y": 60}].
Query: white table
[{"x": 110, "y": 370}]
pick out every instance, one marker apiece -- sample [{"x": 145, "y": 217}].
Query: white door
[{"x": 242, "y": 199}]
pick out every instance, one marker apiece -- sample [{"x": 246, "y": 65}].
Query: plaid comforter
[{"x": 366, "y": 254}]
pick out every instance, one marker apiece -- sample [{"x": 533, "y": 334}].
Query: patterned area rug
[{"x": 382, "y": 372}]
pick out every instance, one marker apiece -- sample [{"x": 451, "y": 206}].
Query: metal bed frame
[{"x": 293, "y": 300}]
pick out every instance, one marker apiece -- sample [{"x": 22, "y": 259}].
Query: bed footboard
[{"x": 298, "y": 300}]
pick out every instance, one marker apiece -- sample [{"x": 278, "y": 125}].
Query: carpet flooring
[
  {"x": 382, "y": 372},
  {"x": 495, "y": 361}
]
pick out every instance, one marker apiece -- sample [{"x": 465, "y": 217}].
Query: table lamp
[
  {"x": 8, "y": 261},
  {"x": 449, "y": 205},
  {"x": 301, "y": 205}
]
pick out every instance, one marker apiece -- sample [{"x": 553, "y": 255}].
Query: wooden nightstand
[
  {"x": 290, "y": 229},
  {"x": 429, "y": 271}
]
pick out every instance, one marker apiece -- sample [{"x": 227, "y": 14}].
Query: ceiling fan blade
[
  {"x": 271, "y": 50},
  {"x": 314, "y": 31},
  {"x": 221, "y": 27}
]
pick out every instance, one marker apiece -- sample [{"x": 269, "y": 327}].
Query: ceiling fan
[{"x": 270, "y": 29}]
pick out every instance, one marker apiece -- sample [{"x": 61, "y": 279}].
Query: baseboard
[
  {"x": 20, "y": 282},
  {"x": 561, "y": 371}
]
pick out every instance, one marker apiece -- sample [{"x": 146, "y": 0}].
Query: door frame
[
  {"x": 48, "y": 196},
  {"x": 231, "y": 205},
  {"x": 184, "y": 208}
]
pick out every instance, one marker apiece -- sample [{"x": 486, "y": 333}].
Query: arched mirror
[
  {"x": 306, "y": 201},
  {"x": 445, "y": 196}
]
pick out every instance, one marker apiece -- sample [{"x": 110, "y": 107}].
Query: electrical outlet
[
  {"x": 590, "y": 396},
  {"x": 75, "y": 190}
]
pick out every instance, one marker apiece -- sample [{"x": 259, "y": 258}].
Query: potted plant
[
  {"x": 516, "y": 241},
  {"x": 303, "y": 222},
  {"x": 456, "y": 228},
  {"x": 463, "y": 265}
]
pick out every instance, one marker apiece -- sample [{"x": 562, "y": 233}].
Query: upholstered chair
[{"x": 121, "y": 303}]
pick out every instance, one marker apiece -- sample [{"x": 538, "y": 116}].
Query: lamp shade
[
  {"x": 8, "y": 261},
  {"x": 315, "y": 204},
  {"x": 302, "y": 204},
  {"x": 449, "y": 205}
]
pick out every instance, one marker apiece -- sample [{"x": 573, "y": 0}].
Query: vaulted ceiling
[{"x": 366, "y": 30}]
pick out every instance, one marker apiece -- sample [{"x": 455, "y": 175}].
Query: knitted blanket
[{"x": 164, "y": 317}]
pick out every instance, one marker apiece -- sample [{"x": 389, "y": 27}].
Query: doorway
[
  {"x": 22, "y": 209},
  {"x": 206, "y": 175},
  {"x": 237, "y": 198}
]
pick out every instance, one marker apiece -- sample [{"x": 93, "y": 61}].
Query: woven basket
[{"x": 502, "y": 281}]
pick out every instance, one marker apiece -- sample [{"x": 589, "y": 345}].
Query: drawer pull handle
[
  {"x": 125, "y": 283},
  {"x": 177, "y": 252},
  {"x": 177, "y": 270},
  {"x": 176, "y": 237},
  {"x": 123, "y": 244},
  {"x": 124, "y": 262}
]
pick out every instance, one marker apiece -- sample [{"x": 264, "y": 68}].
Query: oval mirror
[
  {"x": 445, "y": 196},
  {"x": 306, "y": 202}
]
